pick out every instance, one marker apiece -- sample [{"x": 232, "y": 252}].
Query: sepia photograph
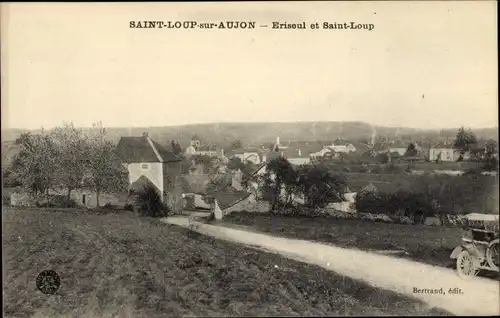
[{"x": 260, "y": 158}]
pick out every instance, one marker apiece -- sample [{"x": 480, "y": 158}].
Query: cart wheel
[
  {"x": 492, "y": 254},
  {"x": 466, "y": 265}
]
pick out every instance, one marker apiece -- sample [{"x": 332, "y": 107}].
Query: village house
[
  {"x": 296, "y": 156},
  {"x": 150, "y": 164},
  {"x": 340, "y": 145},
  {"x": 398, "y": 147},
  {"x": 194, "y": 190},
  {"x": 321, "y": 153},
  {"x": 196, "y": 148},
  {"x": 254, "y": 156},
  {"x": 443, "y": 152}
]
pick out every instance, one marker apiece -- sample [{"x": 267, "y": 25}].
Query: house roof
[
  {"x": 167, "y": 155},
  {"x": 143, "y": 149},
  {"x": 207, "y": 148},
  {"x": 226, "y": 199},
  {"x": 341, "y": 142},
  {"x": 399, "y": 144},
  {"x": 294, "y": 153},
  {"x": 241, "y": 151},
  {"x": 442, "y": 145},
  {"x": 361, "y": 147}
]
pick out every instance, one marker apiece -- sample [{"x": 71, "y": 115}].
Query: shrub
[
  {"x": 59, "y": 201},
  {"x": 109, "y": 206},
  {"x": 6, "y": 200},
  {"x": 149, "y": 202},
  {"x": 376, "y": 169},
  {"x": 128, "y": 207},
  {"x": 399, "y": 204}
]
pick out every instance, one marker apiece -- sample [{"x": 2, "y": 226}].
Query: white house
[
  {"x": 321, "y": 153},
  {"x": 296, "y": 156},
  {"x": 249, "y": 155},
  {"x": 443, "y": 152},
  {"x": 340, "y": 145}
]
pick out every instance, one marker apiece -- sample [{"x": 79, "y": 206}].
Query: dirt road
[{"x": 478, "y": 296}]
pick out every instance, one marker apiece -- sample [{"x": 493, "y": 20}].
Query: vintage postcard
[{"x": 212, "y": 159}]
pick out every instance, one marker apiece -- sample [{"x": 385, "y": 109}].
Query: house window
[{"x": 144, "y": 166}]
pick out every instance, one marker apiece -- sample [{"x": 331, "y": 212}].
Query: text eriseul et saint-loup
[{"x": 149, "y": 24}]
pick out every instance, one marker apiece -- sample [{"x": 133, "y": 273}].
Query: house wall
[
  {"x": 447, "y": 154},
  {"x": 200, "y": 203},
  {"x": 320, "y": 153},
  {"x": 343, "y": 148},
  {"x": 345, "y": 206},
  {"x": 116, "y": 199},
  {"x": 299, "y": 161},
  {"x": 236, "y": 183},
  {"x": 190, "y": 151},
  {"x": 400, "y": 151},
  {"x": 154, "y": 174},
  {"x": 252, "y": 157}
]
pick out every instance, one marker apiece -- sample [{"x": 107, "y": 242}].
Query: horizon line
[{"x": 255, "y": 123}]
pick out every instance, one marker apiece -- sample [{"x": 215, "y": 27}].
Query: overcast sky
[{"x": 425, "y": 65}]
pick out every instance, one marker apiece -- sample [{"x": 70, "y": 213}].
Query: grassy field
[
  {"x": 431, "y": 245},
  {"x": 119, "y": 265}
]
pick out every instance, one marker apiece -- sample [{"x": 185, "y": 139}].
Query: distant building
[
  {"x": 340, "y": 145},
  {"x": 254, "y": 156},
  {"x": 443, "y": 152},
  {"x": 296, "y": 156},
  {"x": 197, "y": 149}
]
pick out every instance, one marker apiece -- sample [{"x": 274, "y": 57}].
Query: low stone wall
[{"x": 21, "y": 199}]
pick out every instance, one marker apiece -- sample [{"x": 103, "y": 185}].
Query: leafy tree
[
  {"x": 72, "y": 154},
  {"x": 176, "y": 147},
  {"x": 382, "y": 158},
  {"x": 279, "y": 178},
  {"x": 394, "y": 155},
  {"x": 319, "y": 186},
  {"x": 35, "y": 164},
  {"x": 465, "y": 140},
  {"x": 248, "y": 169},
  {"x": 490, "y": 159},
  {"x": 235, "y": 163},
  {"x": 411, "y": 151},
  {"x": 104, "y": 170}
]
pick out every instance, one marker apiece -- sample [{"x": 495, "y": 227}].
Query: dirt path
[{"x": 479, "y": 296}]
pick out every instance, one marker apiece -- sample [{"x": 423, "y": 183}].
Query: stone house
[{"x": 149, "y": 163}]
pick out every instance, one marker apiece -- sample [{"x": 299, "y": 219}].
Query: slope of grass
[
  {"x": 118, "y": 265},
  {"x": 431, "y": 245}
]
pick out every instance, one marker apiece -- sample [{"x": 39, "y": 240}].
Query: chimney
[{"x": 277, "y": 140}]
